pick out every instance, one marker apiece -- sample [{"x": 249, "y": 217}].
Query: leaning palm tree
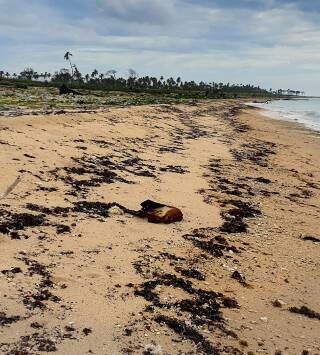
[{"x": 67, "y": 57}]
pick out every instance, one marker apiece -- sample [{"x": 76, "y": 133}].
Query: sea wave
[{"x": 306, "y": 112}]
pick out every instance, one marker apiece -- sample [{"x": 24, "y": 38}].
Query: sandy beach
[{"x": 239, "y": 275}]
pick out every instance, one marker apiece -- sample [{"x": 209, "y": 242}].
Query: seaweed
[
  {"x": 187, "y": 332},
  {"x": 195, "y": 274},
  {"x": 211, "y": 246},
  {"x": 5, "y": 320},
  {"x": 20, "y": 221},
  {"x": 305, "y": 311},
  {"x": 235, "y": 225}
]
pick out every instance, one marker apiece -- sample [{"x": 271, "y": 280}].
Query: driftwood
[
  {"x": 10, "y": 188},
  {"x": 65, "y": 90}
]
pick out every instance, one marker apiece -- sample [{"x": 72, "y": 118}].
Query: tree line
[{"x": 132, "y": 82}]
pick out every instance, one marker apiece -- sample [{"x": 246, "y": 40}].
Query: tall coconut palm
[
  {"x": 67, "y": 58},
  {"x": 112, "y": 73}
]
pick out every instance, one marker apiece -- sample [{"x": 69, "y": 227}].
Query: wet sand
[{"x": 79, "y": 277}]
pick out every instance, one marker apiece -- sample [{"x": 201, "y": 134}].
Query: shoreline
[
  {"x": 276, "y": 115},
  {"x": 291, "y": 125},
  {"x": 80, "y": 279}
]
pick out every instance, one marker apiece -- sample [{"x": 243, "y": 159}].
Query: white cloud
[{"x": 140, "y": 11}]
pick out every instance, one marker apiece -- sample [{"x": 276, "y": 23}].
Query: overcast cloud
[{"x": 272, "y": 43}]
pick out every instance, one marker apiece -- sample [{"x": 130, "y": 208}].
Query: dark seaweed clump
[
  {"x": 195, "y": 274},
  {"x": 62, "y": 211},
  {"x": 256, "y": 152},
  {"x": 5, "y": 320},
  {"x": 305, "y": 311},
  {"x": 214, "y": 246},
  {"x": 39, "y": 341},
  {"x": 97, "y": 170},
  {"x": 187, "y": 332},
  {"x": 36, "y": 300},
  {"x": 235, "y": 216},
  {"x": 147, "y": 289},
  {"x": 42, "y": 292},
  {"x": 174, "y": 169},
  {"x": 234, "y": 225},
  {"x": 203, "y": 308},
  {"x": 19, "y": 221},
  {"x": 99, "y": 208},
  {"x": 14, "y": 270},
  {"x": 93, "y": 209}
]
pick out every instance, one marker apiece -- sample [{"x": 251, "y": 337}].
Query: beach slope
[{"x": 239, "y": 274}]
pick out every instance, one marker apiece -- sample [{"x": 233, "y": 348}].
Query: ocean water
[{"x": 304, "y": 111}]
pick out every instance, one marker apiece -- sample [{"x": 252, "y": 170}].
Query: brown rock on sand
[
  {"x": 159, "y": 213},
  {"x": 165, "y": 214}
]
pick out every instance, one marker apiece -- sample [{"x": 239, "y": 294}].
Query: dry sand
[{"x": 77, "y": 279}]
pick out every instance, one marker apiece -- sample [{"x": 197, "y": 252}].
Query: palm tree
[
  {"x": 112, "y": 73},
  {"x": 94, "y": 73},
  {"x": 132, "y": 73},
  {"x": 77, "y": 74},
  {"x": 67, "y": 58}
]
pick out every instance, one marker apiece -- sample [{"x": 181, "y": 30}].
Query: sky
[{"x": 271, "y": 43}]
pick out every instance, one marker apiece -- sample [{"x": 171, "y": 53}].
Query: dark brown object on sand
[{"x": 159, "y": 213}]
